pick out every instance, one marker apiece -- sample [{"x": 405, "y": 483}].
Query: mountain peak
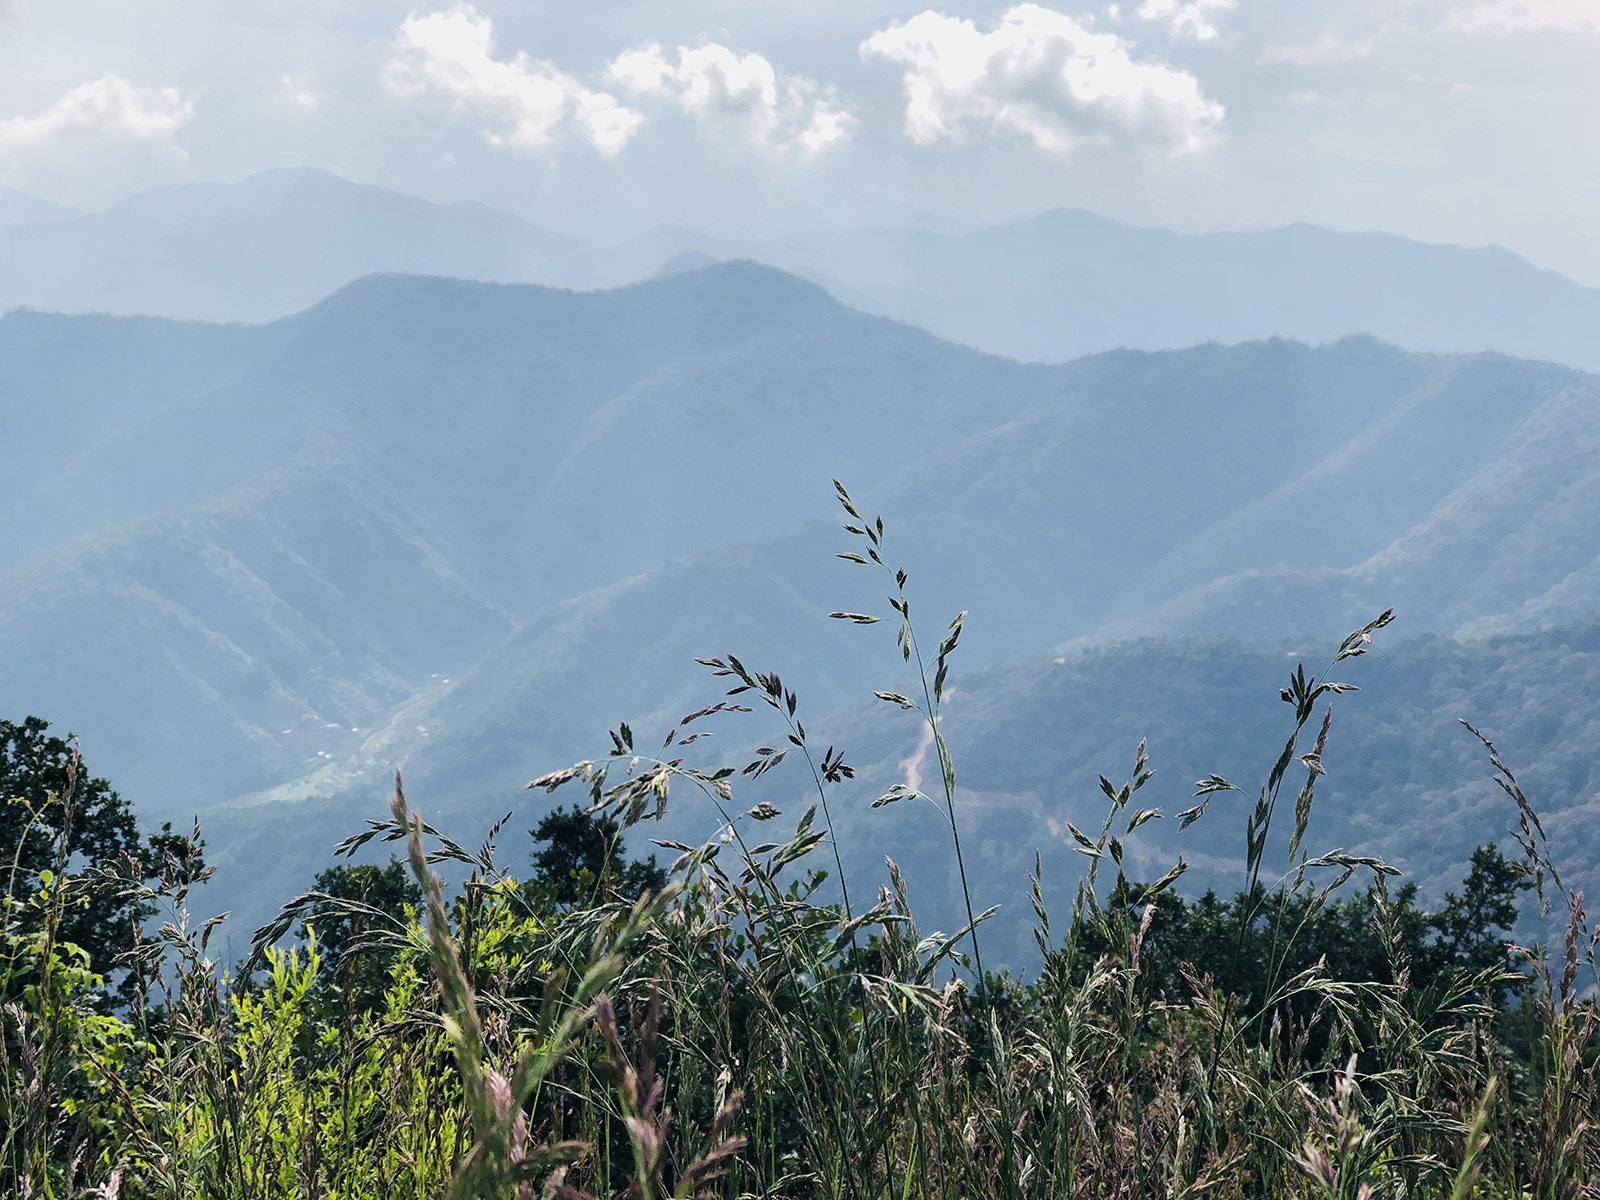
[
  {"x": 687, "y": 260},
  {"x": 735, "y": 297}
]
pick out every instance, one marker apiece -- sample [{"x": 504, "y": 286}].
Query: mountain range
[
  {"x": 465, "y": 526},
  {"x": 18, "y": 208},
  {"x": 1063, "y": 284}
]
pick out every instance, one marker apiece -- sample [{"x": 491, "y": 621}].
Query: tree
[
  {"x": 359, "y": 908},
  {"x": 1471, "y": 927},
  {"x": 57, "y": 819},
  {"x": 582, "y": 859},
  {"x": 1464, "y": 937}
]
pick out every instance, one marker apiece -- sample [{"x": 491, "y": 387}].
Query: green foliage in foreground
[
  {"x": 54, "y": 817},
  {"x": 729, "y": 1029}
]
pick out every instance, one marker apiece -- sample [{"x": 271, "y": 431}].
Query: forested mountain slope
[
  {"x": 412, "y": 455},
  {"x": 1405, "y": 781},
  {"x": 1514, "y": 546},
  {"x": 463, "y": 527}
]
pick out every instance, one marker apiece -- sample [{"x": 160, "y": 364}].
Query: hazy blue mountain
[
  {"x": 1514, "y": 546},
  {"x": 269, "y": 507},
  {"x": 605, "y": 480},
  {"x": 463, "y": 527},
  {"x": 252, "y": 639},
  {"x": 1405, "y": 781},
  {"x": 265, "y": 247},
  {"x": 1011, "y": 529},
  {"x": 1068, "y": 282},
  {"x": 558, "y": 443},
  {"x": 95, "y": 426},
  {"x": 1056, "y": 520},
  {"x": 19, "y": 208},
  {"x": 1063, "y": 284}
]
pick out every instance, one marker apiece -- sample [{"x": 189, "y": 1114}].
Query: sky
[{"x": 1471, "y": 122}]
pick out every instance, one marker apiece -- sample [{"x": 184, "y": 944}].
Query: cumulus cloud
[
  {"x": 1192, "y": 19},
  {"x": 450, "y": 52},
  {"x": 299, "y": 94},
  {"x": 719, "y": 86},
  {"x": 110, "y": 107},
  {"x": 1518, "y": 16},
  {"x": 1045, "y": 76}
]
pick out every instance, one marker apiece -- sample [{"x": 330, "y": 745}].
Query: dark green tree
[
  {"x": 1471, "y": 928},
  {"x": 1465, "y": 936},
  {"x": 582, "y": 858},
  {"x": 359, "y": 917},
  {"x": 55, "y": 817}
]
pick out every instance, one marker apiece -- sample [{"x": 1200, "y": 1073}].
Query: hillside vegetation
[{"x": 766, "y": 1018}]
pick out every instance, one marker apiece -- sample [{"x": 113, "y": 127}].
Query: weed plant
[{"x": 763, "y": 1026}]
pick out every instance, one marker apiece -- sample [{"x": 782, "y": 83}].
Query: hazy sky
[{"x": 1469, "y": 121}]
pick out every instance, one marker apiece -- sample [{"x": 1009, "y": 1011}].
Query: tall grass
[{"x": 741, "y": 1033}]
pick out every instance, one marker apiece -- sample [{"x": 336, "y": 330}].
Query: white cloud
[
  {"x": 720, "y": 86},
  {"x": 449, "y": 52},
  {"x": 1518, "y": 16},
  {"x": 299, "y": 94},
  {"x": 110, "y": 107},
  {"x": 1193, "y": 19},
  {"x": 1045, "y": 76}
]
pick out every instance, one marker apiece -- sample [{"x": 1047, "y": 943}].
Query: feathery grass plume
[
  {"x": 871, "y": 534},
  {"x": 501, "y": 1163}
]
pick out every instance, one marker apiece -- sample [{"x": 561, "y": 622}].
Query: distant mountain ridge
[
  {"x": 267, "y": 247},
  {"x": 1069, "y": 282},
  {"x": 1052, "y": 288},
  {"x": 18, "y": 208}
]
